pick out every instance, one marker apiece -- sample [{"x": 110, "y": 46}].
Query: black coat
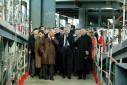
[
  {"x": 96, "y": 35},
  {"x": 31, "y": 42},
  {"x": 70, "y": 39},
  {"x": 84, "y": 44}
]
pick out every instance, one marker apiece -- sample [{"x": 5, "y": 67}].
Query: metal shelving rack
[
  {"x": 13, "y": 41},
  {"x": 114, "y": 71}
]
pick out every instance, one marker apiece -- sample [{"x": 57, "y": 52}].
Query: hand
[
  {"x": 53, "y": 38},
  {"x": 87, "y": 53},
  {"x": 29, "y": 52},
  {"x": 74, "y": 35},
  {"x": 100, "y": 44}
]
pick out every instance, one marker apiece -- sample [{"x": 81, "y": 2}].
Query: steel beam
[
  {"x": 90, "y": 4},
  {"x": 121, "y": 74},
  {"x": 82, "y": 12},
  {"x": 82, "y": 0}
]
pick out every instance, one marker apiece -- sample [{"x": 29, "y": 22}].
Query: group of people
[{"x": 65, "y": 51}]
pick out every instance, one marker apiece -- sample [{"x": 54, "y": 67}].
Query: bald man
[{"x": 84, "y": 48}]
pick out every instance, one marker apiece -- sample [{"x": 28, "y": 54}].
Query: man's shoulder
[{"x": 31, "y": 36}]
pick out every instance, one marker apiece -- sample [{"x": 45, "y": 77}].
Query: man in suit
[
  {"x": 72, "y": 33},
  {"x": 66, "y": 42},
  {"x": 31, "y": 42}
]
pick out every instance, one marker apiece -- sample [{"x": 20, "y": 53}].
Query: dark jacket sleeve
[
  {"x": 60, "y": 40},
  {"x": 89, "y": 43},
  {"x": 96, "y": 35},
  {"x": 29, "y": 43},
  {"x": 71, "y": 40}
]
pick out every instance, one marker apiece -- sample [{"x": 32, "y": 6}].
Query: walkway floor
[{"x": 60, "y": 81}]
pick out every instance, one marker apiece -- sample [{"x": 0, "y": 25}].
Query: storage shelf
[{"x": 10, "y": 32}]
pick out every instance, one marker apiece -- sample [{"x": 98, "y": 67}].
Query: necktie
[{"x": 65, "y": 41}]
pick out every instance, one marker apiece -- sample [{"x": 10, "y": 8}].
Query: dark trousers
[
  {"x": 75, "y": 62},
  {"x": 67, "y": 61},
  {"x": 82, "y": 73},
  {"x": 48, "y": 69},
  {"x": 31, "y": 65}
]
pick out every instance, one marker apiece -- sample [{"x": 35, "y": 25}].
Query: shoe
[
  {"x": 84, "y": 77},
  {"x": 45, "y": 78},
  {"x": 40, "y": 77},
  {"x": 69, "y": 77},
  {"x": 79, "y": 78},
  {"x": 63, "y": 76},
  {"x": 52, "y": 79},
  {"x": 32, "y": 75}
]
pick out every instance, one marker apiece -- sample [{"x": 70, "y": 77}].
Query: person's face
[
  {"x": 76, "y": 32},
  {"x": 57, "y": 30},
  {"x": 88, "y": 33},
  {"x": 100, "y": 32},
  {"x": 80, "y": 32},
  {"x": 35, "y": 33},
  {"x": 41, "y": 34},
  {"x": 66, "y": 31},
  {"x": 92, "y": 30},
  {"x": 83, "y": 31},
  {"x": 61, "y": 31},
  {"x": 52, "y": 33},
  {"x": 68, "y": 26},
  {"x": 109, "y": 34},
  {"x": 46, "y": 31},
  {"x": 42, "y": 28}
]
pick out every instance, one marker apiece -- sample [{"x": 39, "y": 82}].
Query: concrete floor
[{"x": 60, "y": 81}]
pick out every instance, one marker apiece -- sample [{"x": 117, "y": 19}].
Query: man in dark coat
[
  {"x": 84, "y": 47},
  {"x": 48, "y": 57},
  {"x": 58, "y": 62},
  {"x": 31, "y": 42},
  {"x": 66, "y": 42}
]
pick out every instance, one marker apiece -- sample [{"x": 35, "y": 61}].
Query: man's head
[
  {"x": 35, "y": 33},
  {"x": 52, "y": 32},
  {"x": 57, "y": 30},
  {"x": 109, "y": 34},
  {"x": 94, "y": 29},
  {"x": 68, "y": 26},
  {"x": 66, "y": 31},
  {"x": 41, "y": 33},
  {"x": 34, "y": 29},
  {"x": 41, "y": 28},
  {"x": 101, "y": 32},
  {"x": 83, "y": 31}
]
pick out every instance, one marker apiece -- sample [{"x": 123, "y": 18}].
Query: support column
[
  {"x": 86, "y": 18},
  {"x": 48, "y": 15},
  {"x": 99, "y": 18},
  {"x": 58, "y": 20},
  {"x": 66, "y": 19},
  {"x": 113, "y": 16},
  {"x": 35, "y": 13},
  {"x": 82, "y": 17}
]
